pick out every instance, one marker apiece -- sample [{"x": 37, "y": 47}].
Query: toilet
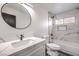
[{"x": 52, "y": 49}]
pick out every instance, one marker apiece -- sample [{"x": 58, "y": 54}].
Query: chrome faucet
[{"x": 21, "y": 37}]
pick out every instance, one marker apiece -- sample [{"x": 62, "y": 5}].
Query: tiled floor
[{"x": 63, "y": 54}]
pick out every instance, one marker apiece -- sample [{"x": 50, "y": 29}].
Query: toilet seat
[{"x": 53, "y": 46}]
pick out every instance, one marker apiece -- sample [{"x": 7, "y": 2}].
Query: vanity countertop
[{"x": 7, "y": 48}]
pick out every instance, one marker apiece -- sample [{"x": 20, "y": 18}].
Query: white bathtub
[{"x": 68, "y": 47}]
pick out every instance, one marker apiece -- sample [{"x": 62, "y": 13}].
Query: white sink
[{"x": 23, "y": 42}]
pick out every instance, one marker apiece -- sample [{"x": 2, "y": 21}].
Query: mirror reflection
[{"x": 16, "y": 15}]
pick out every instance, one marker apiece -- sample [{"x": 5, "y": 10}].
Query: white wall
[
  {"x": 71, "y": 28},
  {"x": 39, "y": 25}
]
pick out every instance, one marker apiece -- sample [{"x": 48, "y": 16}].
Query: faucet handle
[{"x": 22, "y": 35}]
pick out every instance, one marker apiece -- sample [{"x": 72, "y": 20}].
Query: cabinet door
[
  {"x": 39, "y": 52},
  {"x": 35, "y": 50}
]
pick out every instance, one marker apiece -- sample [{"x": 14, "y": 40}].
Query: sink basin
[{"x": 22, "y": 43}]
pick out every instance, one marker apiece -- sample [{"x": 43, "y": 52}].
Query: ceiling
[{"x": 56, "y": 8}]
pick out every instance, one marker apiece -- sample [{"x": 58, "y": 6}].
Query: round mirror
[{"x": 16, "y": 15}]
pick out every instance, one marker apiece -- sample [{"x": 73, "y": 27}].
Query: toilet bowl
[
  {"x": 52, "y": 49},
  {"x": 53, "y": 46}
]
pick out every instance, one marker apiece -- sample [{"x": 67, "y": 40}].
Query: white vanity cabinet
[{"x": 34, "y": 50}]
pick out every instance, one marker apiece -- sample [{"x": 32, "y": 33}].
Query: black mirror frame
[{"x": 13, "y": 27}]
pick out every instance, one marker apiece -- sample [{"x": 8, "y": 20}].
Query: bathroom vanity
[
  {"x": 31, "y": 46},
  {"x": 18, "y": 17}
]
